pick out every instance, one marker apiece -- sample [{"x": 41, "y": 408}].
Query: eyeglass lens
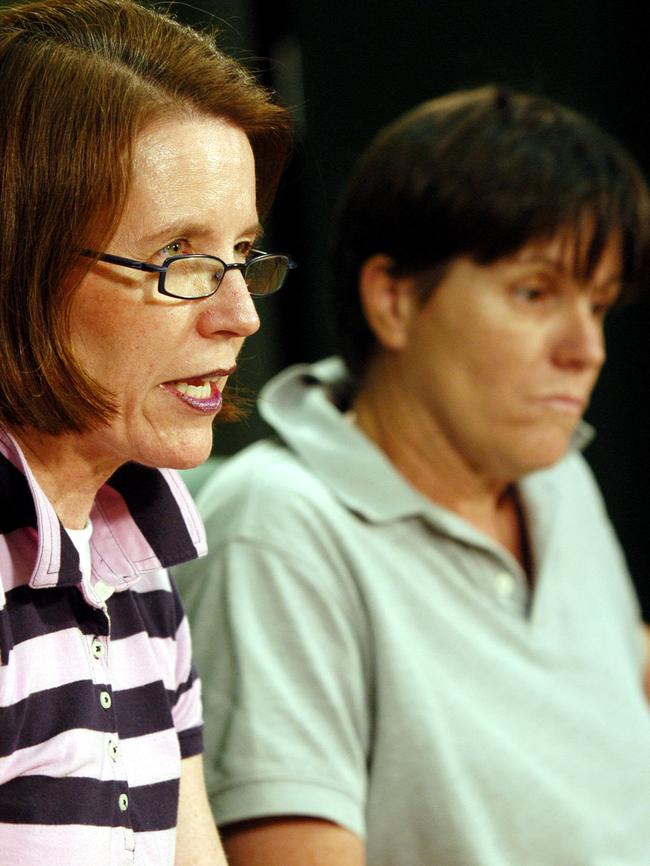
[{"x": 197, "y": 277}]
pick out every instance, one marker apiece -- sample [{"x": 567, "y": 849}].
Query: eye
[
  {"x": 243, "y": 250},
  {"x": 179, "y": 247},
  {"x": 601, "y": 308},
  {"x": 602, "y": 301},
  {"x": 532, "y": 293}
]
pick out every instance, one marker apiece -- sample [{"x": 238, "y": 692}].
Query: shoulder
[
  {"x": 264, "y": 486},
  {"x": 269, "y": 520},
  {"x": 571, "y": 480}
]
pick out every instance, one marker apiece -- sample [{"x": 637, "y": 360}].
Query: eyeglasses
[{"x": 191, "y": 276}]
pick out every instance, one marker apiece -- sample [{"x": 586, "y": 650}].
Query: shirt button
[
  {"x": 105, "y": 700},
  {"x": 113, "y": 749},
  {"x": 97, "y": 648},
  {"x": 504, "y": 583},
  {"x": 103, "y": 591},
  {"x": 123, "y": 802}
]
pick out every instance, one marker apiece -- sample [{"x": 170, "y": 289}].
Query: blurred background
[{"x": 345, "y": 69}]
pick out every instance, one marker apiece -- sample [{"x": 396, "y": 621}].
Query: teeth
[{"x": 199, "y": 392}]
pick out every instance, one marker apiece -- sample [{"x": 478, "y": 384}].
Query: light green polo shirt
[{"x": 370, "y": 658}]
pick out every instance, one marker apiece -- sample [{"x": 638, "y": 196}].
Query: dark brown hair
[
  {"x": 79, "y": 80},
  {"x": 480, "y": 173}
]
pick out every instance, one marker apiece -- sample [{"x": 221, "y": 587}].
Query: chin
[
  {"x": 191, "y": 458},
  {"x": 532, "y": 456},
  {"x": 185, "y": 462},
  {"x": 185, "y": 452},
  {"x": 546, "y": 455}
]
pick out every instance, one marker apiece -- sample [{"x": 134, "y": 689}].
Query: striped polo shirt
[{"x": 99, "y": 700}]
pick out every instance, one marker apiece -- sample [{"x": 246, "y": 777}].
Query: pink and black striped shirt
[{"x": 99, "y": 700}]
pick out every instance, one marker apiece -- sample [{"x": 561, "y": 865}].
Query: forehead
[
  {"x": 190, "y": 168},
  {"x": 211, "y": 143}
]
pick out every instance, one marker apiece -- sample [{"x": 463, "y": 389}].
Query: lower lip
[
  {"x": 206, "y": 406},
  {"x": 563, "y": 405}
]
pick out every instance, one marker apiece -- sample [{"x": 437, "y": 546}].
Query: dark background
[{"x": 346, "y": 68}]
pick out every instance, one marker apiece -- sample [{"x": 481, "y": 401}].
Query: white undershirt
[
  {"x": 81, "y": 540},
  {"x": 98, "y": 590}
]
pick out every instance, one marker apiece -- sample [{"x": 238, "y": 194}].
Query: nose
[
  {"x": 582, "y": 342},
  {"x": 230, "y": 310}
]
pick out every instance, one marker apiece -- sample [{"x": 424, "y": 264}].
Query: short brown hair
[
  {"x": 480, "y": 173},
  {"x": 79, "y": 80}
]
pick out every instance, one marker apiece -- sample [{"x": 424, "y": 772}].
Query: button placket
[
  {"x": 504, "y": 585},
  {"x": 129, "y": 839},
  {"x": 113, "y": 748},
  {"x": 97, "y": 648},
  {"x": 103, "y": 591}
]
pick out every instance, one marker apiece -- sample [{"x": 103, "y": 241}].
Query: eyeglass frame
[{"x": 162, "y": 269}]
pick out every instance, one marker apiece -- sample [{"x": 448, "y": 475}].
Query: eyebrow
[
  {"x": 180, "y": 228},
  {"x": 557, "y": 265}
]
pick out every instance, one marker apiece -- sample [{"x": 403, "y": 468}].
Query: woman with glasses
[{"x": 137, "y": 161}]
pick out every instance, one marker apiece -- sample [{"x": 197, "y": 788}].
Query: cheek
[
  {"x": 508, "y": 355},
  {"x": 113, "y": 346},
  {"x": 484, "y": 363}
]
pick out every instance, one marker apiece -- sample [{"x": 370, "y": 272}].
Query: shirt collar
[
  {"x": 299, "y": 404},
  {"x": 144, "y": 519}
]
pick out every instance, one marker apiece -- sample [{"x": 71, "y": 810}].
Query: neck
[
  {"x": 419, "y": 449},
  {"x": 66, "y": 476}
]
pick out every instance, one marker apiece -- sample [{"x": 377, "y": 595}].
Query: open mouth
[
  {"x": 198, "y": 392},
  {"x": 201, "y": 393}
]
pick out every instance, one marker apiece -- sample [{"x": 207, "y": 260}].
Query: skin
[
  {"x": 471, "y": 390},
  {"x": 197, "y": 842},
  {"x": 292, "y": 841},
  {"x": 490, "y": 375},
  {"x": 193, "y": 190}
]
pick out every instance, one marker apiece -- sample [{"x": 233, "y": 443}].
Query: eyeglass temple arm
[
  {"x": 157, "y": 269},
  {"x": 121, "y": 260}
]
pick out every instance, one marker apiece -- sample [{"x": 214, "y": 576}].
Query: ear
[{"x": 387, "y": 300}]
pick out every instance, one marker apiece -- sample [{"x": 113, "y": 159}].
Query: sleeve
[
  {"x": 186, "y": 702},
  {"x": 281, "y": 647}
]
